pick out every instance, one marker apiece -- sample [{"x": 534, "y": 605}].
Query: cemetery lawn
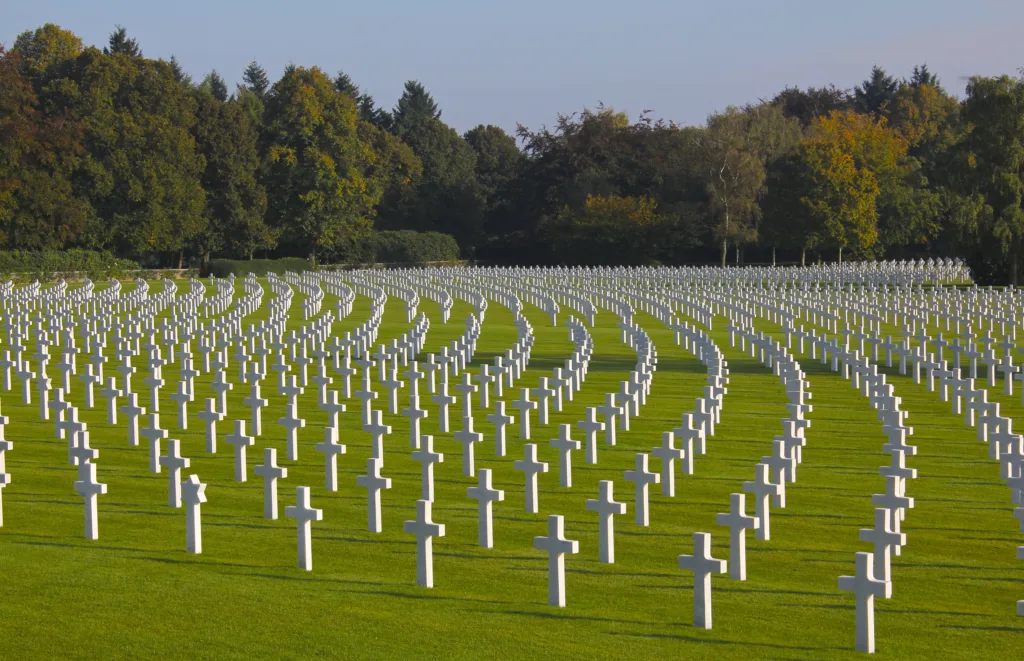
[{"x": 136, "y": 593}]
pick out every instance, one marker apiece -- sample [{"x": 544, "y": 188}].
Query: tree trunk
[
  {"x": 737, "y": 255},
  {"x": 840, "y": 255},
  {"x": 725, "y": 250},
  {"x": 773, "y": 255},
  {"x": 181, "y": 255},
  {"x": 803, "y": 257},
  {"x": 1013, "y": 269}
]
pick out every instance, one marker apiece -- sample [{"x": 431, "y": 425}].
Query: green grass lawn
[{"x": 136, "y": 593}]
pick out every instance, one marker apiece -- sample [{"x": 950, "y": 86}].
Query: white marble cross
[
  {"x": 427, "y": 458},
  {"x": 702, "y": 565},
  {"x": 565, "y": 445},
  {"x": 377, "y": 430},
  {"x": 525, "y": 406},
  {"x": 154, "y": 434},
  {"x": 174, "y": 462},
  {"x": 466, "y": 389},
  {"x": 606, "y": 509},
  {"x": 240, "y": 442},
  {"x": 668, "y": 453},
  {"x": 642, "y": 479},
  {"x": 762, "y": 488},
  {"x": 590, "y": 426},
  {"x": 556, "y": 546},
  {"x": 374, "y": 483},
  {"x": 193, "y": 492},
  {"x": 485, "y": 495},
  {"x": 500, "y": 421},
  {"x": 468, "y": 438},
  {"x": 884, "y": 540},
  {"x": 443, "y": 401},
  {"x": 609, "y": 410},
  {"x": 211, "y": 416},
  {"x": 133, "y": 411},
  {"x": 738, "y": 522},
  {"x": 330, "y": 448},
  {"x": 415, "y": 414},
  {"x": 425, "y": 530},
  {"x": 304, "y": 514},
  {"x": 865, "y": 588},
  {"x": 292, "y": 424},
  {"x": 5, "y": 477},
  {"x": 271, "y": 473},
  {"x": 88, "y": 488},
  {"x": 530, "y": 466}
]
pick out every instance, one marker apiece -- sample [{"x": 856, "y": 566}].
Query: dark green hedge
[
  {"x": 403, "y": 247},
  {"x": 222, "y": 268},
  {"x": 243, "y": 267},
  {"x": 45, "y": 263}
]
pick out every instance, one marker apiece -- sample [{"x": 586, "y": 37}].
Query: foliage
[
  {"x": 95, "y": 264},
  {"x": 316, "y": 165},
  {"x": 606, "y": 230},
  {"x": 106, "y": 149},
  {"x": 402, "y": 247},
  {"x": 222, "y": 268}
]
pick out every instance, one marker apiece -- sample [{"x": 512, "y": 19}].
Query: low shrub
[
  {"x": 402, "y": 247},
  {"x": 45, "y": 264},
  {"x": 222, "y": 268}
]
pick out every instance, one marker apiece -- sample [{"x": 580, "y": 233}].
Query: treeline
[{"x": 109, "y": 150}]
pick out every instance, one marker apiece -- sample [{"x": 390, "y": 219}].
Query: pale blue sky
[{"x": 529, "y": 60}]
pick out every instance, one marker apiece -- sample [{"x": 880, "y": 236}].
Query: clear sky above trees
[{"x": 503, "y": 63}]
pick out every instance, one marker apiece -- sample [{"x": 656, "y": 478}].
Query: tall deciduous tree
[
  {"x": 447, "y": 198},
  {"x": 734, "y": 150},
  {"x": 316, "y": 165},
  {"x": 992, "y": 160},
  {"x": 235, "y": 201},
  {"x": 38, "y": 155},
  {"x": 142, "y": 171}
]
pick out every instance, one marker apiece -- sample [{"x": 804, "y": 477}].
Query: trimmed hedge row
[
  {"x": 403, "y": 247},
  {"x": 42, "y": 264},
  {"x": 222, "y": 268}
]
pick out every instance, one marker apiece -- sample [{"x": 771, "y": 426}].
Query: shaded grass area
[{"x": 135, "y": 592}]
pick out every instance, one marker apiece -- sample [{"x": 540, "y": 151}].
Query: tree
[
  {"x": 734, "y": 150},
  {"x": 256, "y": 79},
  {"x": 923, "y": 77},
  {"x": 875, "y": 96},
  {"x": 806, "y": 106},
  {"x": 343, "y": 83},
  {"x": 214, "y": 85},
  {"x": 180, "y": 74},
  {"x": 414, "y": 107},
  {"x": 41, "y": 53},
  {"x": 991, "y": 158},
  {"x": 142, "y": 173},
  {"x": 852, "y": 163},
  {"x": 121, "y": 43},
  {"x": 235, "y": 202},
  {"x": 447, "y": 198},
  {"x": 38, "y": 205},
  {"x": 498, "y": 160},
  {"x": 316, "y": 167},
  {"x": 605, "y": 230}
]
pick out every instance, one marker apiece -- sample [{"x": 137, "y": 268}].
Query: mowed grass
[{"x": 136, "y": 593}]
